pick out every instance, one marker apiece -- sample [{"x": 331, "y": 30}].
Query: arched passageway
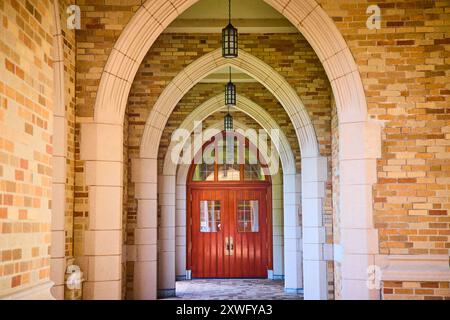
[
  {"x": 359, "y": 147},
  {"x": 182, "y": 196},
  {"x": 312, "y": 163},
  {"x": 75, "y": 187}
]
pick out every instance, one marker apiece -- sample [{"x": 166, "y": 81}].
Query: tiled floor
[{"x": 233, "y": 289}]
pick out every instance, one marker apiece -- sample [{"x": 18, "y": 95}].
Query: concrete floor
[{"x": 233, "y": 289}]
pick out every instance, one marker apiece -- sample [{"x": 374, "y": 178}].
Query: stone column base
[
  {"x": 294, "y": 290},
  {"x": 166, "y": 293}
]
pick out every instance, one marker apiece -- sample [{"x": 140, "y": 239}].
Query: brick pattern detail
[
  {"x": 404, "y": 67},
  {"x": 69, "y": 47},
  {"x": 81, "y": 205},
  {"x": 408, "y": 290},
  {"x": 102, "y": 23},
  {"x": 26, "y": 122}
]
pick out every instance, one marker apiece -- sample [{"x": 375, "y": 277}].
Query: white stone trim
[{"x": 59, "y": 158}]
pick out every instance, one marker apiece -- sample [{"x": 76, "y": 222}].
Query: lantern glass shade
[
  {"x": 228, "y": 122},
  {"x": 229, "y": 41},
  {"x": 230, "y": 94}
]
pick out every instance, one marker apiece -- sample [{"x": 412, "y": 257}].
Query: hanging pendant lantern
[
  {"x": 230, "y": 101},
  {"x": 228, "y": 122},
  {"x": 229, "y": 38},
  {"x": 230, "y": 93}
]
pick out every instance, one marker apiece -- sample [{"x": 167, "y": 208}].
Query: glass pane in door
[
  {"x": 209, "y": 216},
  {"x": 247, "y": 216}
]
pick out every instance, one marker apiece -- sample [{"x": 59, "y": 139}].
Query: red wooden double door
[{"x": 230, "y": 232}]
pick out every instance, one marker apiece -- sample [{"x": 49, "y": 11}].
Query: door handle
[{"x": 231, "y": 246}]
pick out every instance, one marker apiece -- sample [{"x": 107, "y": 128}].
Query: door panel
[
  {"x": 229, "y": 233},
  {"x": 207, "y": 233},
  {"x": 250, "y": 234}
]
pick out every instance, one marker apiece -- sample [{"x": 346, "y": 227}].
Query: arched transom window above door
[{"x": 229, "y": 157}]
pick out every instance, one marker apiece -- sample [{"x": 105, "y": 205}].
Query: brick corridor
[{"x": 233, "y": 289}]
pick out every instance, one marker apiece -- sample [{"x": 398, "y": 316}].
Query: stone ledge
[
  {"x": 37, "y": 292},
  {"x": 416, "y": 268}
]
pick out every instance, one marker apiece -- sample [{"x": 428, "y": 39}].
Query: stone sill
[
  {"x": 37, "y": 292},
  {"x": 417, "y": 268}
]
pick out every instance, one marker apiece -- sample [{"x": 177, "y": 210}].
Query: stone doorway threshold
[{"x": 232, "y": 289}]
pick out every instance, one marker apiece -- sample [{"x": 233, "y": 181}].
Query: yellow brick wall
[
  {"x": 405, "y": 70},
  {"x": 26, "y": 127},
  {"x": 410, "y": 290},
  {"x": 69, "y": 49}
]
